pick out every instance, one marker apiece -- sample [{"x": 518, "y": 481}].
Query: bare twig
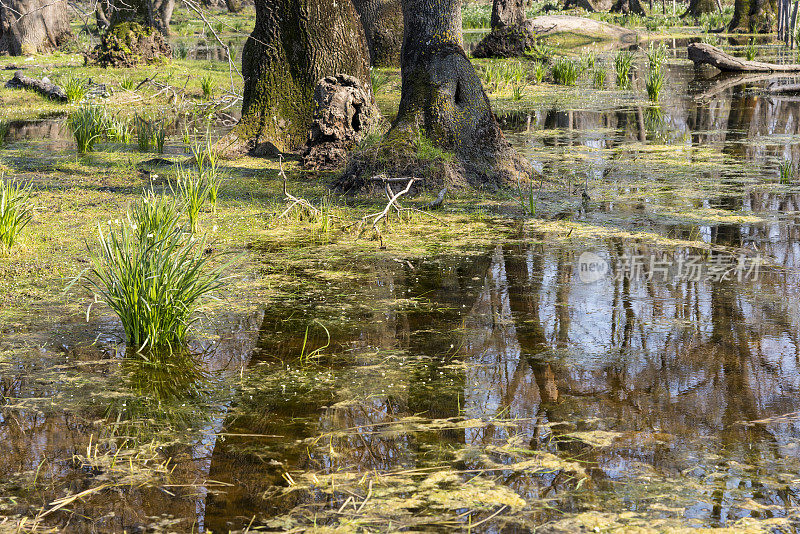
[{"x": 293, "y": 200}]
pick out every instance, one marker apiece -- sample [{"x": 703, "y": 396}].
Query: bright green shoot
[{"x": 15, "y": 210}]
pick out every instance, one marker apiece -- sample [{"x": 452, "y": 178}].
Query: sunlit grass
[{"x": 15, "y": 210}]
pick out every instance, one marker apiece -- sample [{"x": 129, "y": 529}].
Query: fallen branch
[
  {"x": 702, "y": 53},
  {"x": 43, "y": 86},
  {"x": 384, "y": 215},
  {"x": 293, "y": 200}
]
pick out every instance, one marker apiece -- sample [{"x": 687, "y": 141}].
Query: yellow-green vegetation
[{"x": 15, "y": 210}]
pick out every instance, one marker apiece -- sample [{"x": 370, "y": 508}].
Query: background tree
[
  {"x": 699, "y": 7},
  {"x": 626, "y": 7},
  {"x": 511, "y": 34},
  {"x": 442, "y": 96},
  {"x": 593, "y": 6},
  {"x": 295, "y": 43},
  {"x": 383, "y": 28},
  {"x": 149, "y": 13},
  {"x": 753, "y": 16},
  {"x": 32, "y": 26}
]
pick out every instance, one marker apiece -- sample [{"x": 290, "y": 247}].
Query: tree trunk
[
  {"x": 507, "y": 13},
  {"x": 628, "y": 7},
  {"x": 443, "y": 96},
  {"x": 700, "y": 7},
  {"x": 149, "y": 13},
  {"x": 592, "y": 6},
  {"x": 295, "y": 43},
  {"x": 32, "y": 26},
  {"x": 383, "y": 27},
  {"x": 753, "y": 16},
  {"x": 234, "y": 6}
]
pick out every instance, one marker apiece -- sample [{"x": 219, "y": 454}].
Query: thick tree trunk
[
  {"x": 383, "y": 27},
  {"x": 628, "y": 7},
  {"x": 295, "y": 43},
  {"x": 443, "y": 96},
  {"x": 753, "y": 16},
  {"x": 700, "y": 7},
  {"x": 32, "y": 26},
  {"x": 507, "y": 13},
  {"x": 149, "y": 13}
]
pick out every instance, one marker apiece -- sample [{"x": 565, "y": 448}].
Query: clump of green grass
[
  {"x": 15, "y": 210},
  {"x": 153, "y": 285},
  {"x": 379, "y": 79},
  {"x": 126, "y": 82},
  {"x": 517, "y": 91},
  {"x": 118, "y": 129},
  {"x": 87, "y": 124},
  {"x": 152, "y": 217},
  {"x": 656, "y": 55},
  {"x": 787, "y": 171},
  {"x": 159, "y": 136},
  {"x": 5, "y": 127},
  {"x": 181, "y": 51},
  {"x": 751, "y": 51},
  {"x": 590, "y": 60},
  {"x": 599, "y": 77},
  {"x": 207, "y": 85},
  {"x": 75, "y": 88},
  {"x": 502, "y": 75},
  {"x": 539, "y": 70},
  {"x": 144, "y": 133},
  {"x": 654, "y": 83},
  {"x": 566, "y": 71},
  {"x": 193, "y": 189},
  {"x": 623, "y": 64}
]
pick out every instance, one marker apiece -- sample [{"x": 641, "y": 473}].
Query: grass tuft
[
  {"x": 87, "y": 124},
  {"x": 15, "y": 210}
]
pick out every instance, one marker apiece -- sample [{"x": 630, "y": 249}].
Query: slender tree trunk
[
  {"x": 295, "y": 43},
  {"x": 32, "y": 26},
  {"x": 443, "y": 96},
  {"x": 383, "y": 27},
  {"x": 753, "y": 16},
  {"x": 234, "y": 6},
  {"x": 149, "y": 13}
]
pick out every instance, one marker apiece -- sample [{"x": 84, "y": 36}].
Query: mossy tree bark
[
  {"x": 507, "y": 13},
  {"x": 295, "y": 43},
  {"x": 753, "y": 16},
  {"x": 32, "y": 26},
  {"x": 383, "y": 28},
  {"x": 699, "y": 7},
  {"x": 626, "y": 7},
  {"x": 443, "y": 96},
  {"x": 150, "y": 13}
]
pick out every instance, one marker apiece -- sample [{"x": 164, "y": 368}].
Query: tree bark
[
  {"x": 753, "y": 16},
  {"x": 700, "y": 7},
  {"x": 702, "y": 53},
  {"x": 295, "y": 43},
  {"x": 32, "y": 26},
  {"x": 149, "y": 13},
  {"x": 507, "y": 13},
  {"x": 383, "y": 27},
  {"x": 592, "y": 6},
  {"x": 443, "y": 96},
  {"x": 628, "y": 7}
]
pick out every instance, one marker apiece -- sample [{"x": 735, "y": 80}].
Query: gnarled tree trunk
[
  {"x": 295, "y": 43},
  {"x": 32, "y": 26},
  {"x": 753, "y": 16},
  {"x": 592, "y": 6},
  {"x": 628, "y": 7},
  {"x": 443, "y": 96},
  {"x": 149, "y": 13},
  {"x": 511, "y": 32},
  {"x": 383, "y": 27}
]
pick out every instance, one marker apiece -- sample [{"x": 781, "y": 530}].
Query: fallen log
[
  {"x": 792, "y": 88},
  {"x": 702, "y": 53},
  {"x": 43, "y": 86},
  {"x": 593, "y": 29}
]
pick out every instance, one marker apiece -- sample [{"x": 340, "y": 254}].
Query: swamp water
[{"x": 500, "y": 389}]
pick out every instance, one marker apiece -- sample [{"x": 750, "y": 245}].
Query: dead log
[
  {"x": 702, "y": 53},
  {"x": 792, "y": 88},
  {"x": 43, "y": 86}
]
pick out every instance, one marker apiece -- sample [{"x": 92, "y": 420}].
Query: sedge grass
[
  {"x": 87, "y": 124},
  {"x": 193, "y": 189},
  {"x": 15, "y": 210},
  {"x": 155, "y": 286}
]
